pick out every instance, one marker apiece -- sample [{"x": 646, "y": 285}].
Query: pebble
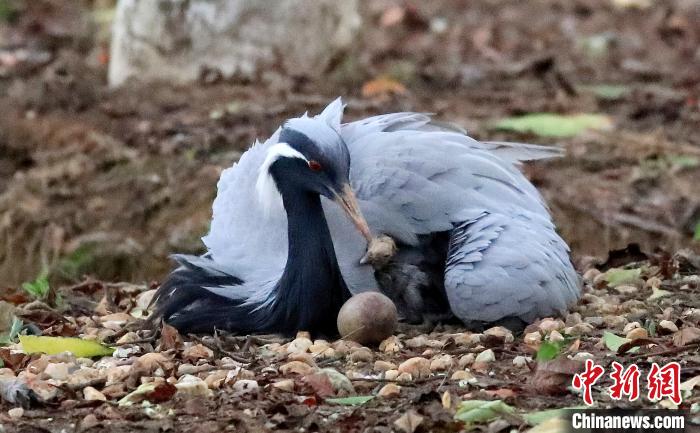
[
  {"x": 595, "y": 321},
  {"x": 306, "y": 358},
  {"x": 389, "y": 390},
  {"x": 462, "y": 375},
  {"x": 244, "y": 386},
  {"x": 582, "y": 356},
  {"x": 500, "y": 332},
  {"x": 417, "y": 367},
  {"x": 117, "y": 374},
  {"x": 216, "y": 378},
  {"x": 194, "y": 386},
  {"x": 485, "y": 357},
  {"x": 338, "y": 380},
  {"x": 405, "y": 377},
  {"x": 197, "y": 352},
  {"x": 57, "y": 371},
  {"x": 615, "y": 321},
  {"x": 417, "y": 342},
  {"x": 391, "y": 345},
  {"x": 380, "y": 365},
  {"x": 668, "y": 326},
  {"x": 286, "y": 385},
  {"x": 533, "y": 339},
  {"x": 391, "y": 374},
  {"x": 296, "y": 367},
  {"x": 630, "y": 326},
  {"x": 573, "y": 319},
  {"x": 580, "y": 329},
  {"x": 626, "y": 289},
  {"x": 521, "y": 361},
  {"x": 83, "y": 376},
  {"x": 361, "y": 354},
  {"x": 555, "y": 336},
  {"x": 143, "y": 300},
  {"x": 466, "y": 360},
  {"x": 549, "y": 325},
  {"x": 6, "y": 373},
  {"x": 637, "y": 333},
  {"x": 15, "y": 412},
  {"x": 129, "y": 337},
  {"x": 441, "y": 363},
  {"x": 466, "y": 338},
  {"x": 90, "y": 393},
  {"x": 591, "y": 274},
  {"x": 319, "y": 346},
  {"x": 300, "y": 344}
]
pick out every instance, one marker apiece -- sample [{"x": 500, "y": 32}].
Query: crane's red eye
[{"x": 315, "y": 165}]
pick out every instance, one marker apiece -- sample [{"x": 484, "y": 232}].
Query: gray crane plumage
[{"x": 412, "y": 178}]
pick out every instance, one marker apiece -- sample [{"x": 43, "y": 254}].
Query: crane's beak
[{"x": 347, "y": 200}]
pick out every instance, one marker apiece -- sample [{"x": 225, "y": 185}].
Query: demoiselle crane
[{"x": 450, "y": 222}]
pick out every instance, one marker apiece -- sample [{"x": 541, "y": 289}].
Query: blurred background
[{"x": 116, "y": 117}]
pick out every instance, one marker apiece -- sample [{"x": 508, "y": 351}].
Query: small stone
[
  {"x": 129, "y": 337},
  {"x": 462, "y": 375},
  {"x": 417, "y": 367},
  {"x": 6, "y": 373},
  {"x": 143, "y": 300},
  {"x": 533, "y": 339},
  {"x": 582, "y": 356},
  {"x": 57, "y": 371},
  {"x": 549, "y": 325},
  {"x": 595, "y": 321},
  {"x": 361, "y": 354},
  {"x": 500, "y": 332},
  {"x": 615, "y": 321},
  {"x": 466, "y": 339},
  {"x": 591, "y": 274},
  {"x": 637, "y": 333},
  {"x": 389, "y": 390},
  {"x": 90, "y": 393},
  {"x": 667, "y": 327},
  {"x": 197, "y": 352},
  {"x": 391, "y": 374},
  {"x": 427, "y": 353},
  {"x": 446, "y": 400},
  {"x": 306, "y": 358},
  {"x": 304, "y": 334},
  {"x": 580, "y": 329},
  {"x": 555, "y": 336},
  {"x": 296, "y": 367},
  {"x": 630, "y": 326},
  {"x": 521, "y": 361},
  {"x": 417, "y": 342},
  {"x": 380, "y": 365},
  {"x": 626, "y": 289},
  {"x": 83, "y": 376},
  {"x": 405, "y": 377},
  {"x": 319, "y": 346},
  {"x": 117, "y": 374},
  {"x": 299, "y": 345},
  {"x": 286, "y": 385},
  {"x": 573, "y": 319},
  {"x": 216, "y": 379},
  {"x": 89, "y": 422},
  {"x": 485, "y": 357},
  {"x": 245, "y": 386},
  {"x": 15, "y": 412},
  {"x": 391, "y": 345},
  {"x": 466, "y": 360},
  {"x": 441, "y": 363},
  {"x": 194, "y": 386}
]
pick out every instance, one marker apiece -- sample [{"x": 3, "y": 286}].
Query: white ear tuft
[
  {"x": 267, "y": 191},
  {"x": 333, "y": 114}
]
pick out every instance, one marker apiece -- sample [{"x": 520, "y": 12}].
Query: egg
[{"x": 367, "y": 318}]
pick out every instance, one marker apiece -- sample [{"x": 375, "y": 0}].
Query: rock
[
  {"x": 462, "y": 375},
  {"x": 391, "y": 374},
  {"x": 555, "y": 336},
  {"x": 319, "y": 346},
  {"x": 90, "y": 393},
  {"x": 286, "y": 385},
  {"x": 405, "y": 377},
  {"x": 667, "y": 327},
  {"x": 582, "y": 356},
  {"x": 441, "y": 363},
  {"x": 533, "y": 340},
  {"x": 549, "y": 325},
  {"x": 6, "y": 373},
  {"x": 417, "y": 342},
  {"x": 626, "y": 289},
  {"x": 144, "y": 299},
  {"x": 500, "y": 332},
  {"x": 15, "y": 413},
  {"x": 216, "y": 379},
  {"x": 340, "y": 383},
  {"x": 129, "y": 337},
  {"x": 580, "y": 329},
  {"x": 84, "y": 376},
  {"x": 196, "y": 352},
  {"x": 630, "y": 326},
  {"x": 466, "y": 339},
  {"x": 306, "y": 358},
  {"x": 176, "y": 41},
  {"x": 117, "y": 374},
  {"x": 296, "y": 367},
  {"x": 573, "y": 319},
  {"x": 384, "y": 366},
  {"x": 615, "y": 321},
  {"x": 417, "y": 367},
  {"x": 466, "y": 360},
  {"x": 521, "y": 361},
  {"x": 299, "y": 345},
  {"x": 194, "y": 386},
  {"x": 637, "y": 333},
  {"x": 389, "y": 390},
  {"x": 361, "y": 354},
  {"x": 591, "y": 274},
  {"x": 245, "y": 386},
  {"x": 57, "y": 371},
  {"x": 485, "y": 357},
  {"x": 367, "y": 318},
  {"x": 391, "y": 345},
  {"x": 595, "y": 321}
]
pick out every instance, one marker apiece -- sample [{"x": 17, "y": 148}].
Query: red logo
[
  {"x": 625, "y": 382},
  {"x": 665, "y": 382},
  {"x": 587, "y": 379}
]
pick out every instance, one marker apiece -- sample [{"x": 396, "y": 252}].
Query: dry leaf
[
  {"x": 382, "y": 88},
  {"x": 552, "y": 377},
  {"x": 169, "y": 338},
  {"x": 686, "y": 336},
  {"x": 409, "y": 421}
]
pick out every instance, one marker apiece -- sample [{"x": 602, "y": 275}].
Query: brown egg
[{"x": 367, "y": 318}]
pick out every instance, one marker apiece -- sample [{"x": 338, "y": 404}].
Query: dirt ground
[{"x": 107, "y": 183}]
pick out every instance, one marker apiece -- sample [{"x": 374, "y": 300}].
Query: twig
[{"x": 672, "y": 351}]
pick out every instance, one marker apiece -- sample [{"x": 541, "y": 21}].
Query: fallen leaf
[
  {"x": 686, "y": 336},
  {"x": 552, "y": 377},
  {"x": 351, "y": 401},
  {"x": 320, "y": 383},
  {"x": 409, "y": 421},
  {"x": 613, "y": 342},
  {"x": 169, "y": 338},
  {"x": 552, "y": 425},
  {"x": 549, "y": 350},
  {"x": 554, "y": 125},
  {"x": 657, "y": 293},
  {"x": 164, "y": 391},
  {"x": 501, "y": 392},
  {"x": 617, "y": 276},
  {"x": 480, "y": 411},
  {"x": 55, "y": 345}
]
